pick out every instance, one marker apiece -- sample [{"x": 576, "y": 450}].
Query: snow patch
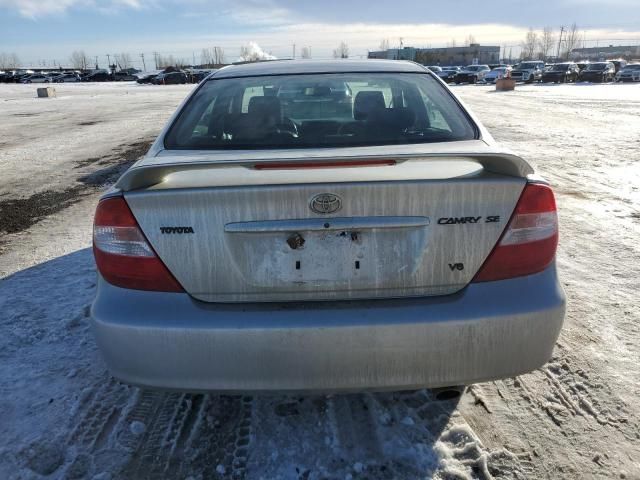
[{"x": 137, "y": 428}]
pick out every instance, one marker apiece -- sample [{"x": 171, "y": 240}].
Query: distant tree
[
  {"x": 79, "y": 60},
  {"x": 212, "y": 56},
  {"x": 123, "y": 61},
  {"x": 571, "y": 40},
  {"x": 165, "y": 61},
  {"x": 342, "y": 51},
  {"x": 384, "y": 44},
  {"x": 452, "y": 43},
  {"x": 206, "y": 57},
  {"x": 470, "y": 40},
  {"x": 529, "y": 45},
  {"x": 218, "y": 56},
  {"x": 305, "y": 53},
  {"x": 546, "y": 42},
  {"x": 9, "y": 60}
]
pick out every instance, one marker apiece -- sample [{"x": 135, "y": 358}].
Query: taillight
[
  {"x": 528, "y": 245},
  {"x": 123, "y": 255}
]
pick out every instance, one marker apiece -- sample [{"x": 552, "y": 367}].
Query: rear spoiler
[{"x": 145, "y": 175}]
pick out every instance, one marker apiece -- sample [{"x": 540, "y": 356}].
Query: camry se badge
[
  {"x": 325, "y": 203},
  {"x": 467, "y": 220}
]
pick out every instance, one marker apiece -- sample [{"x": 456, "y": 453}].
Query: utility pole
[
  {"x": 294, "y": 51},
  {"x": 96, "y": 62},
  {"x": 560, "y": 40},
  {"x": 108, "y": 62},
  {"x": 193, "y": 58},
  {"x": 144, "y": 66},
  {"x": 155, "y": 56}
]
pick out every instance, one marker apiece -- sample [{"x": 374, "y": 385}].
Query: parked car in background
[
  {"x": 472, "y": 74},
  {"x": 391, "y": 246},
  {"x": 561, "y": 73},
  {"x": 496, "y": 73},
  {"x": 146, "y": 77},
  {"x": 199, "y": 75},
  {"x": 448, "y": 74},
  {"x": 99, "y": 76},
  {"x": 171, "y": 78},
  {"x": 53, "y": 76},
  {"x": 35, "y": 78},
  {"x": 528, "y": 72},
  {"x": 619, "y": 64},
  {"x": 582, "y": 65},
  {"x": 68, "y": 78},
  {"x": 124, "y": 77},
  {"x": 630, "y": 73},
  {"x": 598, "y": 72},
  {"x": 435, "y": 68}
]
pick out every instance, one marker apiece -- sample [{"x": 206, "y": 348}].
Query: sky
[{"x": 47, "y": 30}]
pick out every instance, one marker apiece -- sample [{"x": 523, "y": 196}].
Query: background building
[
  {"x": 474, "y": 53},
  {"x": 596, "y": 53}
]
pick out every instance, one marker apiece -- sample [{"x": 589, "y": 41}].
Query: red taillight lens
[
  {"x": 528, "y": 245},
  {"x": 123, "y": 254}
]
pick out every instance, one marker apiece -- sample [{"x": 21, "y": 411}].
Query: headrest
[
  {"x": 393, "y": 119},
  {"x": 367, "y": 102},
  {"x": 264, "y": 107}
]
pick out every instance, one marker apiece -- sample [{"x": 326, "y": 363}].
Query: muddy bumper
[{"x": 487, "y": 331}]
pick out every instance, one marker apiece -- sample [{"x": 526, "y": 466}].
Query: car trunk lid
[{"x": 410, "y": 227}]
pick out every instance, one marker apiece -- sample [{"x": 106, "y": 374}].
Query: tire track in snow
[
  {"x": 99, "y": 415},
  {"x": 355, "y": 431},
  {"x": 221, "y": 438}
]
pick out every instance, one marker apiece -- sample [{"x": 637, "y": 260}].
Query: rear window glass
[{"x": 319, "y": 110}]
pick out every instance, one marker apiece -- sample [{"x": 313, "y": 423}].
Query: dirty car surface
[{"x": 325, "y": 226}]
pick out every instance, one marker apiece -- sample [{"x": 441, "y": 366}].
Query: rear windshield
[{"x": 319, "y": 110}]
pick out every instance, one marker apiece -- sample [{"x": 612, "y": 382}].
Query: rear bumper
[{"x": 487, "y": 331}]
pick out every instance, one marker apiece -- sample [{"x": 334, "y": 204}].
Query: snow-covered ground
[{"x": 61, "y": 416}]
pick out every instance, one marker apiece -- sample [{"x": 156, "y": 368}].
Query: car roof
[{"x": 293, "y": 67}]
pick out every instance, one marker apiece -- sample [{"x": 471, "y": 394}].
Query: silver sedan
[{"x": 325, "y": 226}]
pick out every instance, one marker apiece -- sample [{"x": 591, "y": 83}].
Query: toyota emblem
[{"x": 325, "y": 203}]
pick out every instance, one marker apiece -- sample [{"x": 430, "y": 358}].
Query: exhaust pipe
[{"x": 446, "y": 394}]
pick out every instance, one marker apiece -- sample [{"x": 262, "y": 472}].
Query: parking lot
[{"x": 62, "y": 416}]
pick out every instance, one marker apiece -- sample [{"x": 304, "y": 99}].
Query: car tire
[{"x": 473, "y": 80}]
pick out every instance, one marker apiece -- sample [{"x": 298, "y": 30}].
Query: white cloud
[
  {"x": 41, "y": 8},
  {"x": 253, "y": 52}
]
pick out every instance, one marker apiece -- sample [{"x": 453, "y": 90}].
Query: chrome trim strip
[{"x": 328, "y": 224}]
